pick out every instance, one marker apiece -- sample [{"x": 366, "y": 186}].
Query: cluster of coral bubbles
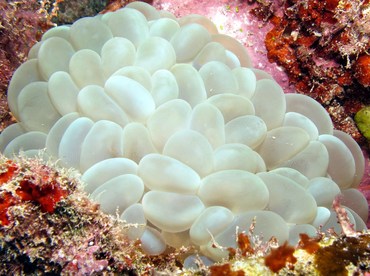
[{"x": 171, "y": 127}]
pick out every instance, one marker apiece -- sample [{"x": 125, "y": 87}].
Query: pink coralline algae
[{"x": 86, "y": 263}]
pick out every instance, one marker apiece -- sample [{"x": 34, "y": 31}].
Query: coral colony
[{"x": 174, "y": 131}]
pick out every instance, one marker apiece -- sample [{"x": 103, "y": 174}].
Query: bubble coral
[{"x": 172, "y": 128}]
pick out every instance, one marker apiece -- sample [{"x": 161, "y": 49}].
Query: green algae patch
[{"x": 362, "y": 119}]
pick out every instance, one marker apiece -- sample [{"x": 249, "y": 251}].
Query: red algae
[
  {"x": 225, "y": 269},
  {"x": 311, "y": 245},
  {"x": 7, "y": 171},
  {"x": 16, "y": 188},
  {"x": 362, "y": 70},
  {"x": 47, "y": 195},
  {"x": 280, "y": 257},
  {"x": 6, "y": 201},
  {"x": 245, "y": 245}
]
